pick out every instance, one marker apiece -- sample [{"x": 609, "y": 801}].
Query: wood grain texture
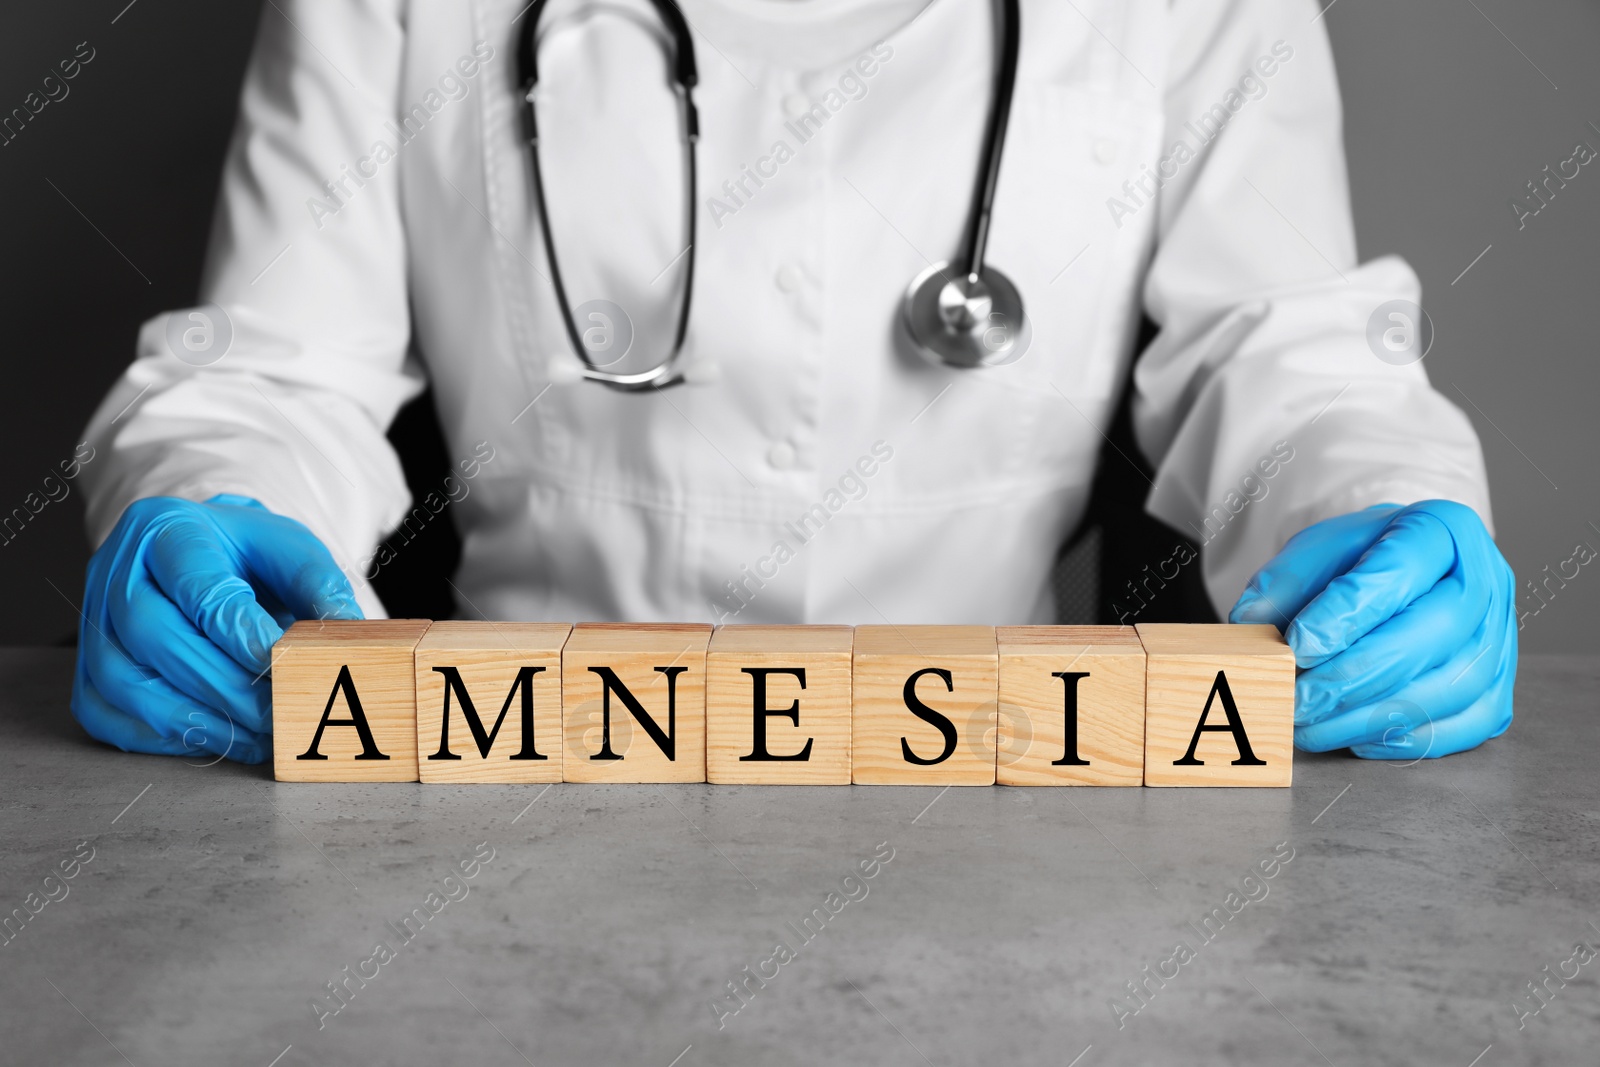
[
  {"x": 884, "y": 726},
  {"x": 663, "y": 667},
  {"x": 1034, "y": 705},
  {"x": 489, "y": 659},
  {"x": 375, "y": 656},
  {"x": 905, "y": 705},
  {"x": 1182, "y": 668},
  {"x": 823, "y": 653}
]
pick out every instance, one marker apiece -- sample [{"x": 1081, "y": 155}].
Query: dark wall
[{"x": 108, "y": 196}]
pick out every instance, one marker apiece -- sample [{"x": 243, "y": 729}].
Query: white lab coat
[{"x": 811, "y": 473}]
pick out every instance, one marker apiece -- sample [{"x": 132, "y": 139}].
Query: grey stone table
[{"x": 1005, "y": 927}]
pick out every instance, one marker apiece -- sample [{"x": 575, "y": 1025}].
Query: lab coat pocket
[
  {"x": 1067, "y": 150},
  {"x": 1069, "y": 147}
]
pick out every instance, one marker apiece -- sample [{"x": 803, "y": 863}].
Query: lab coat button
[
  {"x": 796, "y": 104},
  {"x": 781, "y": 455},
  {"x": 787, "y": 279},
  {"x": 1105, "y": 150}
]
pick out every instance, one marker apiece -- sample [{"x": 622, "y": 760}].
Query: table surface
[{"x": 218, "y": 904}]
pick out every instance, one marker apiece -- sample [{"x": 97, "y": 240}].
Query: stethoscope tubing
[
  {"x": 1008, "y": 46},
  {"x": 685, "y": 76}
]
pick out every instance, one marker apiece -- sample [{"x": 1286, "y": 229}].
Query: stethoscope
[{"x": 958, "y": 313}]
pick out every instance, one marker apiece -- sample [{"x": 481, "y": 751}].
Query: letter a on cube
[
  {"x": 1219, "y": 705},
  {"x": 344, "y": 705}
]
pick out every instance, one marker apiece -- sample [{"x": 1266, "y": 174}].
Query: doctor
[{"x": 383, "y": 221}]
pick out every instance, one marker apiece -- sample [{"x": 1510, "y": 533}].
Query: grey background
[{"x": 1450, "y": 108}]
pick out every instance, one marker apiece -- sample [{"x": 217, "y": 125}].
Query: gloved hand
[
  {"x": 182, "y": 605},
  {"x": 1404, "y": 622}
]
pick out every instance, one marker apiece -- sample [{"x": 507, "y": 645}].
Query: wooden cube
[
  {"x": 1219, "y": 705},
  {"x": 778, "y": 705},
  {"x": 924, "y": 705},
  {"x": 633, "y": 701},
  {"x": 464, "y": 671},
  {"x": 1071, "y": 706},
  {"x": 344, "y": 705}
]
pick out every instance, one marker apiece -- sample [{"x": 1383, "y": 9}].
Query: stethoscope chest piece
[{"x": 965, "y": 320}]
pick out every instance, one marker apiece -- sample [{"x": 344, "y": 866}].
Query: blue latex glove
[
  {"x": 182, "y": 605},
  {"x": 1404, "y": 622}
]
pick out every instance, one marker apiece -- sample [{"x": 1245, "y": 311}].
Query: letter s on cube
[{"x": 924, "y": 705}]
